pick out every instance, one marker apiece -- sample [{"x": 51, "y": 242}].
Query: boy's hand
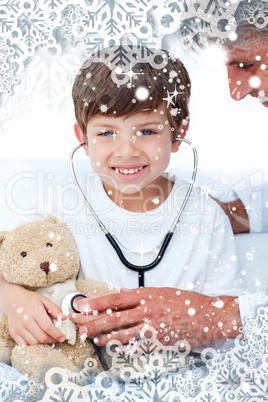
[
  {"x": 174, "y": 314},
  {"x": 28, "y": 319}
]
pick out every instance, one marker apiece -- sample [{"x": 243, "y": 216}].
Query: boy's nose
[{"x": 127, "y": 147}]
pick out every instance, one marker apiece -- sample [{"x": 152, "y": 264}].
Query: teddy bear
[{"x": 42, "y": 256}]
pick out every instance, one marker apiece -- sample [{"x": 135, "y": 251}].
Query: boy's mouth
[{"x": 128, "y": 172}]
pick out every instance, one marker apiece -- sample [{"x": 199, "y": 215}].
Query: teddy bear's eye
[
  {"x": 49, "y": 245},
  {"x": 23, "y": 254}
]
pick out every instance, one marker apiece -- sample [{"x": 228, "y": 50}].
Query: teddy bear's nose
[{"x": 45, "y": 267}]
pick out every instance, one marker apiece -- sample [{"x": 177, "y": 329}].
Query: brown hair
[{"x": 107, "y": 83}]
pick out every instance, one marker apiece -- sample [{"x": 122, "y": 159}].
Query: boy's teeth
[{"x": 126, "y": 171}]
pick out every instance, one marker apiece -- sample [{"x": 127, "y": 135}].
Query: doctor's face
[{"x": 248, "y": 71}]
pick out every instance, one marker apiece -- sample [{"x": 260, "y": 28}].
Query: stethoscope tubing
[{"x": 111, "y": 238}]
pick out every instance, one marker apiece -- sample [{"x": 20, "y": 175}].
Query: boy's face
[
  {"x": 130, "y": 153},
  {"x": 248, "y": 72}
]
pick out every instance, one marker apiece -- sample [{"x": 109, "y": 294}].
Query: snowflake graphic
[
  {"x": 103, "y": 108},
  {"x": 83, "y": 338},
  {"x": 76, "y": 21},
  {"x": 54, "y": 28},
  {"x": 175, "y": 52},
  {"x": 174, "y": 111},
  {"x": 43, "y": 44},
  {"x": 13, "y": 390},
  {"x": 173, "y": 74},
  {"x": 249, "y": 256},
  {"x": 7, "y": 79},
  {"x": 157, "y": 372}
]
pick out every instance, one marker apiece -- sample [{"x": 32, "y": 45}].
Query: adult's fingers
[
  {"x": 113, "y": 301},
  {"x": 123, "y": 335},
  {"x": 83, "y": 317},
  {"x": 111, "y": 322}
]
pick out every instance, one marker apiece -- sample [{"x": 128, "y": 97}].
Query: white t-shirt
[{"x": 201, "y": 256}]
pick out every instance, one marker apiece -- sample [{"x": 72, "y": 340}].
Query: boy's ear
[
  {"x": 182, "y": 131},
  {"x": 80, "y": 136}
]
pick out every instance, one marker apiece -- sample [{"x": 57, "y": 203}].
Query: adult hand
[
  {"x": 237, "y": 215},
  {"x": 27, "y": 313},
  {"x": 175, "y": 314}
]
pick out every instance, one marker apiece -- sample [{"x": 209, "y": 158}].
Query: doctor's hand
[
  {"x": 237, "y": 214},
  {"x": 27, "y": 313},
  {"x": 174, "y": 314}
]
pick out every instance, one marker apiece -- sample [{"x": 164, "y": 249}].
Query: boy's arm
[{"x": 27, "y": 312}]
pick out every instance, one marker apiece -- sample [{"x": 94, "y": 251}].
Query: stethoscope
[
  {"x": 68, "y": 301},
  {"x": 114, "y": 242}
]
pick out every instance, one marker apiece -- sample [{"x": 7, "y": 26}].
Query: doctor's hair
[
  {"x": 109, "y": 83},
  {"x": 248, "y": 35}
]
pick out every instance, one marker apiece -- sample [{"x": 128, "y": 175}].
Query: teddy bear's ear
[
  {"x": 52, "y": 219},
  {"x": 3, "y": 236}
]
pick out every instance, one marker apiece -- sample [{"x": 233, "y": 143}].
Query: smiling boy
[
  {"x": 132, "y": 134},
  {"x": 129, "y": 141}
]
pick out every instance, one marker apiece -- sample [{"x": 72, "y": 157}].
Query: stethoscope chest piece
[{"x": 67, "y": 303}]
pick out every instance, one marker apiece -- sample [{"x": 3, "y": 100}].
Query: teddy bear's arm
[
  {"x": 6, "y": 342},
  {"x": 95, "y": 287}
]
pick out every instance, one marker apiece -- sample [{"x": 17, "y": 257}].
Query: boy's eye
[
  {"x": 107, "y": 133},
  {"x": 145, "y": 132},
  {"x": 49, "y": 245},
  {"x": 23, "y": 254}
]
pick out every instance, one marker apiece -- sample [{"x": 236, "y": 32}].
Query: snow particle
[
  {"x": 219, "y": 304},
  {"x": 254, "y": 82},
  {"x": 142, "y": 93},
  {"x": 191, "y": 311},
  {"x": 53, "y": 267}
]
